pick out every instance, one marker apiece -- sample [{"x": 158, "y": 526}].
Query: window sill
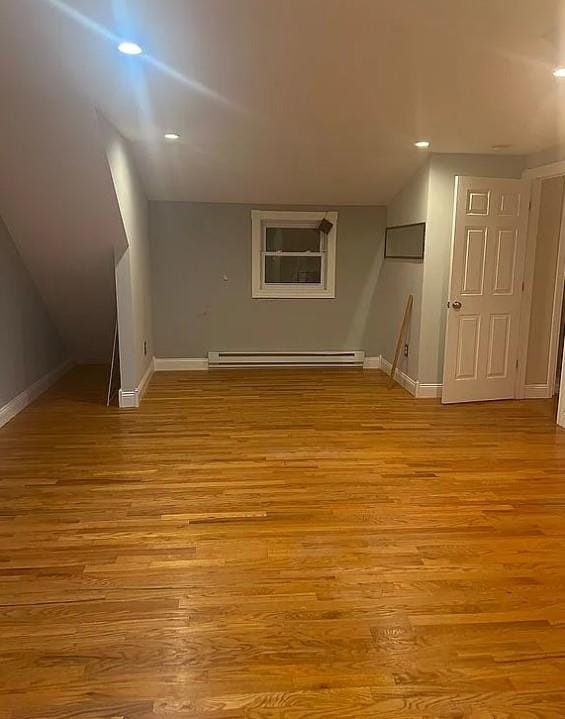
[{"x": 264, "y": 294}]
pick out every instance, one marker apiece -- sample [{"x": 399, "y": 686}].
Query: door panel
[
  {"x": 505, "y": 263},
  {"x": 474, "y": 262},
  {"x": 509, "y": 204},
  {"x": 497, "y": 353},
  {"x": 487, "y": 266},
  {"x": 467, "y": 347},
  {"x": 478, "y": 202}
]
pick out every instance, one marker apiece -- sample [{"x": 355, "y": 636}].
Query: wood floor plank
[{"x": 280, "y": 544}]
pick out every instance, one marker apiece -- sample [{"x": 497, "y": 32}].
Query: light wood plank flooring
[{"x": 289, "y": 544}]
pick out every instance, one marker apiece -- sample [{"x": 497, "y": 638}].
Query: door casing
[{"x": 537, "y": 175}]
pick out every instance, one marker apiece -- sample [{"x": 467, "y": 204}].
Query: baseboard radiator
[{"x": 342, "y": 358}]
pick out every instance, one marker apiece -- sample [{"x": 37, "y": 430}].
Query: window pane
[
  {"x": 293, "y": 270},
  {"x": 292, "y": 239}
]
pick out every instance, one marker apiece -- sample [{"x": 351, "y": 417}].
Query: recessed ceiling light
[
  {"x": 130, "y": 48},
  {"x": 422, "y": 144},
  {"x": 503, "y": 146},
  {"x": 559, "y": 72},
  {"x": 171, "y": 136}
]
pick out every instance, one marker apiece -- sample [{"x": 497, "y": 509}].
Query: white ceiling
[{"x": 289, "y": 101}]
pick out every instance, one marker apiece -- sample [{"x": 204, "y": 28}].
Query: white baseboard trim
[
  {"x": 14, "y": 406},
  {"x": 372, "y": 362},
  {"x": 537, "y": 391},
  {"x": 144, "y": 384},
  {"x": 131, "y": 399},
  {"x": 428, "y": 391},
  {"x": 171, "y": 364},
  {"x": 401, "y": 377},
  {"x": 128, "y": 399},
  {"x": 417, "y": 389}
]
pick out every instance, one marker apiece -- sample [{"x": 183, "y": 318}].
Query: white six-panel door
[{"x": 487, "y": 267}]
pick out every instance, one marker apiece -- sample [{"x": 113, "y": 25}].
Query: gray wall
[
  {"x": 428, "y": 197},
  {"x": 195, "y": 310},
  {"x": 31, "y": 346},
  {"x": 399, "y": 278},
  {"x": 545, "y": 275},
  {"x": 133, "y": 284},
  {"x": 546, "y": 156}
]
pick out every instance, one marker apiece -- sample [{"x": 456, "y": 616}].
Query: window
[{"x": 292, "y": 257}]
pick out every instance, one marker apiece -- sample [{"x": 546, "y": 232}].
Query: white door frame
[
  {"x": 557, "y": 306},
  {"x": 537, "y": 175},
  {"x": 527, "y": 291}
]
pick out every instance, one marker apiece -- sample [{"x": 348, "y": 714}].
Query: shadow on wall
[{"x": 31, "y": 345}]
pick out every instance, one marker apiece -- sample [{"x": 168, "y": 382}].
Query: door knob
[{"x": 456, "y": 305}]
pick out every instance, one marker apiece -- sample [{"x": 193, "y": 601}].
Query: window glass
[
  {"x": 292, "y": 239},
  {"x": 299, "y": 269}
]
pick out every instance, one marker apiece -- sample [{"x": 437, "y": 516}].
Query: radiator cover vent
[{"x": 338, "y": 358}]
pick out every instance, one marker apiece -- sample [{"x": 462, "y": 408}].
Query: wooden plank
[{"x": 401, "y": 336}]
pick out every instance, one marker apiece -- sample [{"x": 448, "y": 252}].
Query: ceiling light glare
[{"x": 130, "y": 48}]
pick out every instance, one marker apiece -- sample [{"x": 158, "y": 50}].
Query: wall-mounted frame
[{"x": 405, "y": 242}]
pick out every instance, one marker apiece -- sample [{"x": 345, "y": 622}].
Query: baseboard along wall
[
  {"x": 22, "y": 400},
  {"x": 420, "y": 390},
  {"x": 180, "y": 364},
  {"x": 131, "y": 399},
  {"x": 538, "y": 391}
]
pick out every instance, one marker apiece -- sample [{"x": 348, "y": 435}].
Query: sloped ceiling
[
  {"x": 276, "y": 101},
  {"x": 57, "y": 203},
  {"x": 296, "y": 100},
  {"x": 56, "y": 195}
]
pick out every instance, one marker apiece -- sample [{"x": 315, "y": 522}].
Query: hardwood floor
[{"x": 300, "y": 544}]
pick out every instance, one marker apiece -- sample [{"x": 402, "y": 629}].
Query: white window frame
[{"x": 260, "y": 220}]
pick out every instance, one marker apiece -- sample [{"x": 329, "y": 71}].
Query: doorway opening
[{"x": 545, "y": 277}]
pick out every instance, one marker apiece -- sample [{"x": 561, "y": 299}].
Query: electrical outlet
[
  {"x": 145, "y": 348},
  {"x": 406, "y": 350}
]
